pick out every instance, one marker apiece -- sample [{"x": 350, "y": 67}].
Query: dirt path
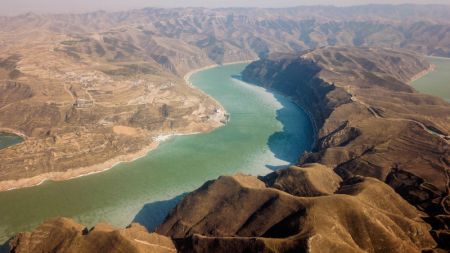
[
  {"x": 154, "y": 245},
  {"x": 423, "y": 126},
  {"x": 70, "y": 93}
]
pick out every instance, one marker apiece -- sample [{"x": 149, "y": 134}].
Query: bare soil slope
[
  {"x": 68, "y": 80},
  {"x": 245, "y": 214},
  {"x": 67, "y": 236},
  {"x": 370, "y": 122},
  {"x": 242, "y": 214}
]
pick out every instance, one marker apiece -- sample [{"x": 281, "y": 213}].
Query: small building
[{"x": 83, "y": 103}]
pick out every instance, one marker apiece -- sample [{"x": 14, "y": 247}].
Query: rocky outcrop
[
  {"x": 306, "y": 181},
  {"x": 369, "y": 121}
]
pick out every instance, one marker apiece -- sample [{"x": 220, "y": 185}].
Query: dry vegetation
[
  {"x": 370, "y": 122},
  {"x": 68, "y": 80},
  {"x": 87, "y": 88}
]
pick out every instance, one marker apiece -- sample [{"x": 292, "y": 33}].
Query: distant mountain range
[{"x": 229, "y": 34}]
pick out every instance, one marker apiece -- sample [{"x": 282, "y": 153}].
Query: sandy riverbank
[
  {"x": 101, "y": 167},
  {"x": 188, "y": 75},
  {"x": 12, "y": 131}
]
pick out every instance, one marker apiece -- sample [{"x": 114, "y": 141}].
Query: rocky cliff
[
  {"x": 380, "y": 184},
  {"x": 91, "y": 89},
  {"x": 370, "y": 122}
]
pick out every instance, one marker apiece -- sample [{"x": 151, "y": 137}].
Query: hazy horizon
[{"x": 15, "y": 7}]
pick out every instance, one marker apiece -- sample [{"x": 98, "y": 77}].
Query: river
[
  {"x": 7, "y": 140},
  {"x": 266, "y": 131},
  {"x": 437, "y": 82}
]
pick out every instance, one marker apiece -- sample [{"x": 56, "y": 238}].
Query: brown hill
[
  {"x": 235, "y": 33},
  {"x": 66, "y": 236},
  {"x": 370, "y": 122},
  {"x": 68, "y": 82},
  {"x": 96, "y": 88},
  {"x": 84, "y": 104},
  {"x": 308, "y": 181},
  {"x": 246, "y": 214},
  {"x": 241, "y": 214}
]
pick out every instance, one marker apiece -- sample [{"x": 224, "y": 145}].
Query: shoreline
[
  {"x": 296, "y": 103},
  {"x": 421, "y": 74},
  {"x": 13, "y": 132},
  {"x": 10, "y": 185},
  {"x": 439, "y": 57},
  {"x": 188, "y": 75},
  {"x": 89, "y": 170}
]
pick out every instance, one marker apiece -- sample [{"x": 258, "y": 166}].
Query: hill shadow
[
  {"x": 4, "y": 248},
  {"x": 154, "y": 213},
  {"x": 288, "y": 144}
]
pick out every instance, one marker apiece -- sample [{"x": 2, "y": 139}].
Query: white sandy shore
[
  {"x": 97, "y": 168},
  {"x": 190, "y": 73},
  {"x": 161, "y": 138}
]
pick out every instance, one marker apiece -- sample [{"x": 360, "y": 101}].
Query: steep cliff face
[
  {"x": 371, "y": 127},
  {"x": 297, "y": 78},
  {"x": 370, "y": 122},
  {"x": 69, "y": 80}
]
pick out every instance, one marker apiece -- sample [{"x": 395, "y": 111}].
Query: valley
[
  {"x": 363, "y": 155},
  {"x": 265, "y": 131},
  {"x": 90, "y": 90},
  {"x": 330, "y": 132}
]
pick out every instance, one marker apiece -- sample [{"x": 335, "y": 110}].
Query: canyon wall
[
  {"x": 88, "y": 90},
  {"x": 370, "y": 122},
  {"x": 365, "y": 194}
]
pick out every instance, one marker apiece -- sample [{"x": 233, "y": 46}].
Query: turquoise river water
[
  {"x": 266, "y": 131},
  {"x": 437, "y": 82},
  {"x": 7, "y": 140}
]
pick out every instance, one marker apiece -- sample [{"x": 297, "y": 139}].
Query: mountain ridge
[
  {"x": 368, "y": 127},
  {"x": 279, "y": 212},
  {"x": 111, "y": 83}
]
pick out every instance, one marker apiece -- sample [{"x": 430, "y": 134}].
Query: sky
[{"x": 14, "y": 7}]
